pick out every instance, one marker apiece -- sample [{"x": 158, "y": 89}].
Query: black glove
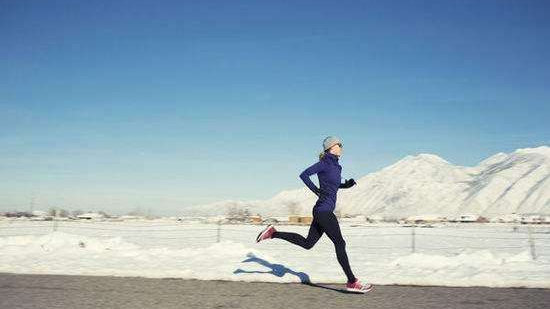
[
  {"x": 318, "y": 192},
  {"x": 348, "y": 183}
]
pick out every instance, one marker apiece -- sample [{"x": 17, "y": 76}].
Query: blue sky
[{"x": 157, "y": 105}]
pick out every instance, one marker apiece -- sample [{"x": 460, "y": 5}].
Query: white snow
[
  {"x": 504, "y": 187},
  {"x": 495, "y": 255}
]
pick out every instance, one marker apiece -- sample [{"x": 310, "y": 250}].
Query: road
[{"x": 81, "y": 292}]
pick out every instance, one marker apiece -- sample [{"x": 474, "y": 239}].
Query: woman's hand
[
  {"x": 348, "y": 183},
  {"x": 318, "y": 192}
]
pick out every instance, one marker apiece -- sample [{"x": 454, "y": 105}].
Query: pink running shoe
[
  {"x": 266, "y": 233},
  {"x": 359, "y": 287}
]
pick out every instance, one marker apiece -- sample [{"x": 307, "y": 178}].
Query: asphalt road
[{"x": 75, "y": 292}]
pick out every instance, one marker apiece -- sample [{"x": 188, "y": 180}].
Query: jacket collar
[{"x": 331, "y": 157}]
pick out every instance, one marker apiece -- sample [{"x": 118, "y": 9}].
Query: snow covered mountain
[{"x": 426, "y": 184}]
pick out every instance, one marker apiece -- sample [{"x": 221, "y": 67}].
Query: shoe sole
[{"x": 360, "y": 291}]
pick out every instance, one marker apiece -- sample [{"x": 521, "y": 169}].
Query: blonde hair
[{"x": 321, "y": 155}]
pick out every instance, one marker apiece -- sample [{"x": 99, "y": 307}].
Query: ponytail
[{"x": 321, "y": 155}]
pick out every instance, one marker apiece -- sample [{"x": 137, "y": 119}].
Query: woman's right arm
[{"x": 314, "y": 169}]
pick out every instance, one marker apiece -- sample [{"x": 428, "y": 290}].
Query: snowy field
[{"x": 494, "y": 255}]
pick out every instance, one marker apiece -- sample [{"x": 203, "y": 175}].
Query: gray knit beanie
[{"x": 330, "y": 141}]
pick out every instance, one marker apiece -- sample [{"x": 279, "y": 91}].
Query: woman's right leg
[{"x": 315, "y": 232}]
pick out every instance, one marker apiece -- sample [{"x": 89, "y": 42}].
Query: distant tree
[
  {"x": 106, "y": 215},
  {"x": 292, "y": 208},
  {"x": 482, "y": 220},
  {"x": 232, "y": 211},
  {"x": 52, "y": 211},
  {"x": 240, "y": 212},
  {"x": 63, "y": 213},
  {"x": 150, "y": 215},
  {"x": 136, "y": 212},
  {"x": 235, "y": 213},
  {"x": 75, "y": 213},
  {"x": 22, "y": 214}
]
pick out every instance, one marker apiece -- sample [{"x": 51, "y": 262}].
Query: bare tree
[
  {"x": 236, "y": 213},
  {"x": 52, "y": 211},
  {"x": 136, "y": 212},
  {"x": 77, "y": 212},
  {"x": 106, "y": 215},
  {"x": 293, "y": 208},
  {"x": 63, "y": 213},
  {"x": 231, "y": 211}
]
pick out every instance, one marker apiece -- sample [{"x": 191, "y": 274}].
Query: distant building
[
  {"x": 90, "y": 216},
  {"x": 374, "y": 218},
  {"x": 130, "y": 217},
  {"x": 39, "y": 213},
  {"x": 18, "y": 214},
  {"x": 354, "y": 219},
  {"x": 533, "y": 219},
  {"x": 482, "y": 219},
  {"x": 300, "y": 219},
  {"x": 271, "y": 220},
  {"x": 468, "y": 218},
  {"x": 255, "y": 219},
  {"x": 425, "y": 219},
  {"x": 507, "y": 218}
]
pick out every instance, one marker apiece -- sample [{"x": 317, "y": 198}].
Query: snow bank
[
  {"x": 63, "y": 253},
  {"x": 472, "y": 268}
]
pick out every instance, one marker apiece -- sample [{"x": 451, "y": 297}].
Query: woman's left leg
[
  {"x": 315, "y": 232},
  {"x": 330, "y": 225}
]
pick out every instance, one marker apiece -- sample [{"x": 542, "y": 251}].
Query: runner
[{"x": 324, "y": 221}]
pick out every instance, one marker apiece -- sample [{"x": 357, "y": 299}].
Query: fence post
[
  {"x": 413, "y": 244},
  {"x": 219, "y": 228},
  {"x": 531, "y": 242}
]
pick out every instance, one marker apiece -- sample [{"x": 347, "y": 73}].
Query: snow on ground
[{"x": 494, "y": 255}]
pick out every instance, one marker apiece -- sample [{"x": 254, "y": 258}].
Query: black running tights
[{"x": 323, "y": 222}]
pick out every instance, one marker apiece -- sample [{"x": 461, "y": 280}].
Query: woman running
[{"x": 324, "y": 221}]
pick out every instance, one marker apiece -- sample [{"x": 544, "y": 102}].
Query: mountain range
[{"x": 425, "y": 184}]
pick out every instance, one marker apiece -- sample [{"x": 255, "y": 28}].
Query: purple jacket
[{"x": 329, "y": 173}]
